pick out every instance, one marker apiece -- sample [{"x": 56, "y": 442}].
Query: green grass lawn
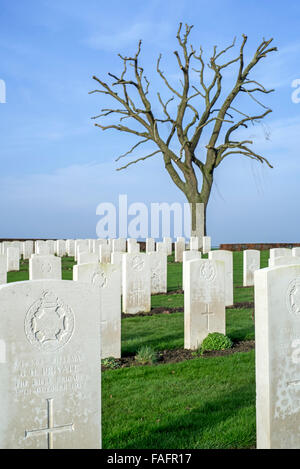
[{"x": 199, "y": 403}]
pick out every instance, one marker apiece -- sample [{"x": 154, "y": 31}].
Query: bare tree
[{"x": 199, "y": 108}]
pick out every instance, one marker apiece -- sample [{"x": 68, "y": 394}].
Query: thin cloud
[{"x": 119, "y": 39}]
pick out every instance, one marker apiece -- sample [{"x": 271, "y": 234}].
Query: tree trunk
[
  {"x": 198, "y": 202},
  {"x": 198, "y": 216}
]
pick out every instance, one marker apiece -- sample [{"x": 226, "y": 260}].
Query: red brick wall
[{"x": 259, "y": 246}]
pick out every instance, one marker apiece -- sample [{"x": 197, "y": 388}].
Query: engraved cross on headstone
[
  {"x": 207, "y": 314},
  {"x": 51, "y": 429}
]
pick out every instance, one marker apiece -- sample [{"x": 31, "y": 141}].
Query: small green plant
[
  {"x": 110, "y": 362},
  {"x": 146, "y": 356},
  {"x": 215, "y": 341}
]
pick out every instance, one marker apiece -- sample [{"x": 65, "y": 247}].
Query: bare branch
[
  {"x": 164, "y": 78},
  {"x": 243, "y": 123},
  {"x": 132, "y": 149},
  {"x": 139, "y": 159}
]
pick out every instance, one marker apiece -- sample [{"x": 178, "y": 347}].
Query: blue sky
[{"x": 56, "y": 167}]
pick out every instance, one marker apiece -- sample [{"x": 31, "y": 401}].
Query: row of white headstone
[
  {"x": 90, "y": 250},
  {"x": 277, "y": 335},
  {"x": 50, "y": 342},
  {"x": 278, "y": 256}
]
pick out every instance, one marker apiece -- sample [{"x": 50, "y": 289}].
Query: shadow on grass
[{"x": 221, "y": 422}]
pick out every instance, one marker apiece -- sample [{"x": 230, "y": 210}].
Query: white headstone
[
  {"x": 131, "y": 242},
  {"x": 5, "y": 246},
  {"x": 179, "y": 249},
  {"x": 13, "y": 259},
  {"x": 162, "y": 247},
  {"x": 104, "y": 253},
  {"x": 277, "y": 351},
  {"x": 133, "y": 248},
  {"x": 158, "y": 267},
  {"x": 81, "y": 245},
  {"x": 136, "y": 283},
  {"x": 70, "y": 247},
  {"x": 150, "y": 245},
  {"x": 188, "y": 256},
  {"x": 97, "y": 243},
  {"x": 42, "y": 249},
  {"x": 50, "y": 388},
  {"x": 51, "y": 245},
  {"x": 168, "y": 243},
  {"x": 119, "y": 245},
  {"x": 61, "y": 250},
  {"x": 284, "y": 260},
  {"x": 87, "y": 258},
  {"x": 296, "y": 252},
  {"x": 44, "y": 267},
  {"x": 117, "y": 260},
  {"x": 3, "y": 269},
  {"x": 194, "y": 243},
  {"x": 279, "y": 252},
  {"x": 251, "y": 263},
  {"x": 106, "y": 278},
  {"x": 204, "y": 301},
  {"x": 227, "y": 258},
  {"x": 206, "y": 244},
  {"x": 27, "y": 250}
]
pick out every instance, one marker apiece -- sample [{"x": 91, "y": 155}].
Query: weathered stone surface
[
  {"x": 131, "y": 242},
  {"x": 179, "y": 249},
  {"x": 3, "y": 269},
  {"x": 168, "y": 242},
  {"x": 136, "y": 283},
  {"x": 206, "y": 244},
  {"x": 204, "y": 301},
  {"x": 51, "y": 246},
  {"x": 70, "y": 247},
  {"x": 87, "y": 258},
  {"x": 279, "y": 252},
  {"x": 194, "y": 243},
  {"x": 296, "y": 252},
  {"x": 277, "y": 344},
  {"x": 284, "y": 260},
  {"x": 150, "y": 245},
  {"x": 104, "y": 253},
  {"x": 13, "y": 259},
  {"x": 61, "y": 249},
  {"x": 117, "y": 260},
  {"x": 50, "y": 389},
  {"x": 158, "y": 267},
  {"x": 251, "y": 263},
  {"x": 106, "y": 278},
  {"x": 226, "y": 257},
  {"x": 44, "y": 267},
  {"x": 162, "y": 247},
  {"x": 188, "y": 256},
  {"x": 96, "y": 243},
  {"x": 81, "y": 245},
  {"x": 27, "y": 249},
  {"x": 133, "y": 248},
  {"x": 119, "y": 245},
  {"x": 42, "y": 248}
]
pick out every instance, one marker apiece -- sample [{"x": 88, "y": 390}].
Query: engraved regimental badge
[{"x": 49, "y": 323}]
